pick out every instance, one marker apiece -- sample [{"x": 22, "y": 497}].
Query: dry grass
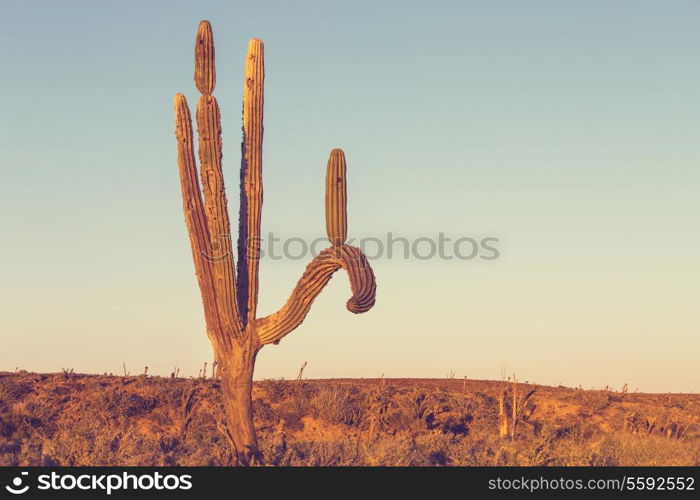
[{"x": 72, "y": 419}]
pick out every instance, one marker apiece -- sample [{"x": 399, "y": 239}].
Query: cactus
[
  {"x": 502, "y": 418},
  {"x": 301, "y": 371},
  {"x": 230, "y": 292},
  {"x": 520, "y": 409}
]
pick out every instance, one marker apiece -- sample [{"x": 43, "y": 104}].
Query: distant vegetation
[{"x": 72, "y": 419}]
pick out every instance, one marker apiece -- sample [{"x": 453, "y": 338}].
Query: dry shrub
[
  {"x": 339, "y": 405},
  {"x": 275, "y": 390}
]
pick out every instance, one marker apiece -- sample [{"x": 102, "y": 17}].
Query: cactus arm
[
  {"x": 195, "y": 217},
  {"x": 251, "y": 181},
  {"x": 204, "y": 68},
  {"x": 318, "y": 273},
  {"x": 336, "y": 198},
  {"x": 215, "y": 205}
]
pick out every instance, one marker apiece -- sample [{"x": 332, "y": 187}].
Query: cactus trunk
[
  {"x": 502, "y": 418},
  {"x": 237, "y": 388},
  {"x": 230, "y": 292}
]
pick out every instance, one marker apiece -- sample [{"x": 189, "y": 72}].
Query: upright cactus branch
[
  {"x": 195, "y": 218},
  {"x": 215, "y": 206},
  {"x": 251, "y": 180},
  {"x": 336, "y": 199},
  {"x": 230, "y": 298},
  {"x": 204, "y": 70}
]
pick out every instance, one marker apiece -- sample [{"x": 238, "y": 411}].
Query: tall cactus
[{"x": 229, "y": 292}]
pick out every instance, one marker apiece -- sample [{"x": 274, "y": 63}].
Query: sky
[{"x": 566, "y": 130}]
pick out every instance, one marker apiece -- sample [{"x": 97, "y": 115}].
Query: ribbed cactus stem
[
  {"x": 195, "y": 218},
  {"x": 336, "y": 198},
  {"x": 514, "y": 409},
  {"x": 215, "y": 206},
  {"x": 502, "y": 417},
  {"x": 251, "y": 180},
  {"x": 204, "y": 69}
]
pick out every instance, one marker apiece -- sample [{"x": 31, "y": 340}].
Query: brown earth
[{"x": 72, "y": 419}]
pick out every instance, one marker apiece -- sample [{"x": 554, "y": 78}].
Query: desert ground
[{"x": 75, "y": 419}]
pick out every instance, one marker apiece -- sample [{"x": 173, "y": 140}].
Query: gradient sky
[{"x": 567, "y": 129}]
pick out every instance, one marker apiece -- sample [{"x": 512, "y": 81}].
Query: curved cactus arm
[
  {"x": 195, "y": 217},
  {"x": 251, "y": 181},
  {"x": 318, "y": 273}
]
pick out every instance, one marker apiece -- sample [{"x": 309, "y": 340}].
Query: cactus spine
[{"x": 230, "y": 292}]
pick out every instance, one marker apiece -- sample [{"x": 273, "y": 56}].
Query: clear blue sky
[{"x": 567, "y": 129}]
